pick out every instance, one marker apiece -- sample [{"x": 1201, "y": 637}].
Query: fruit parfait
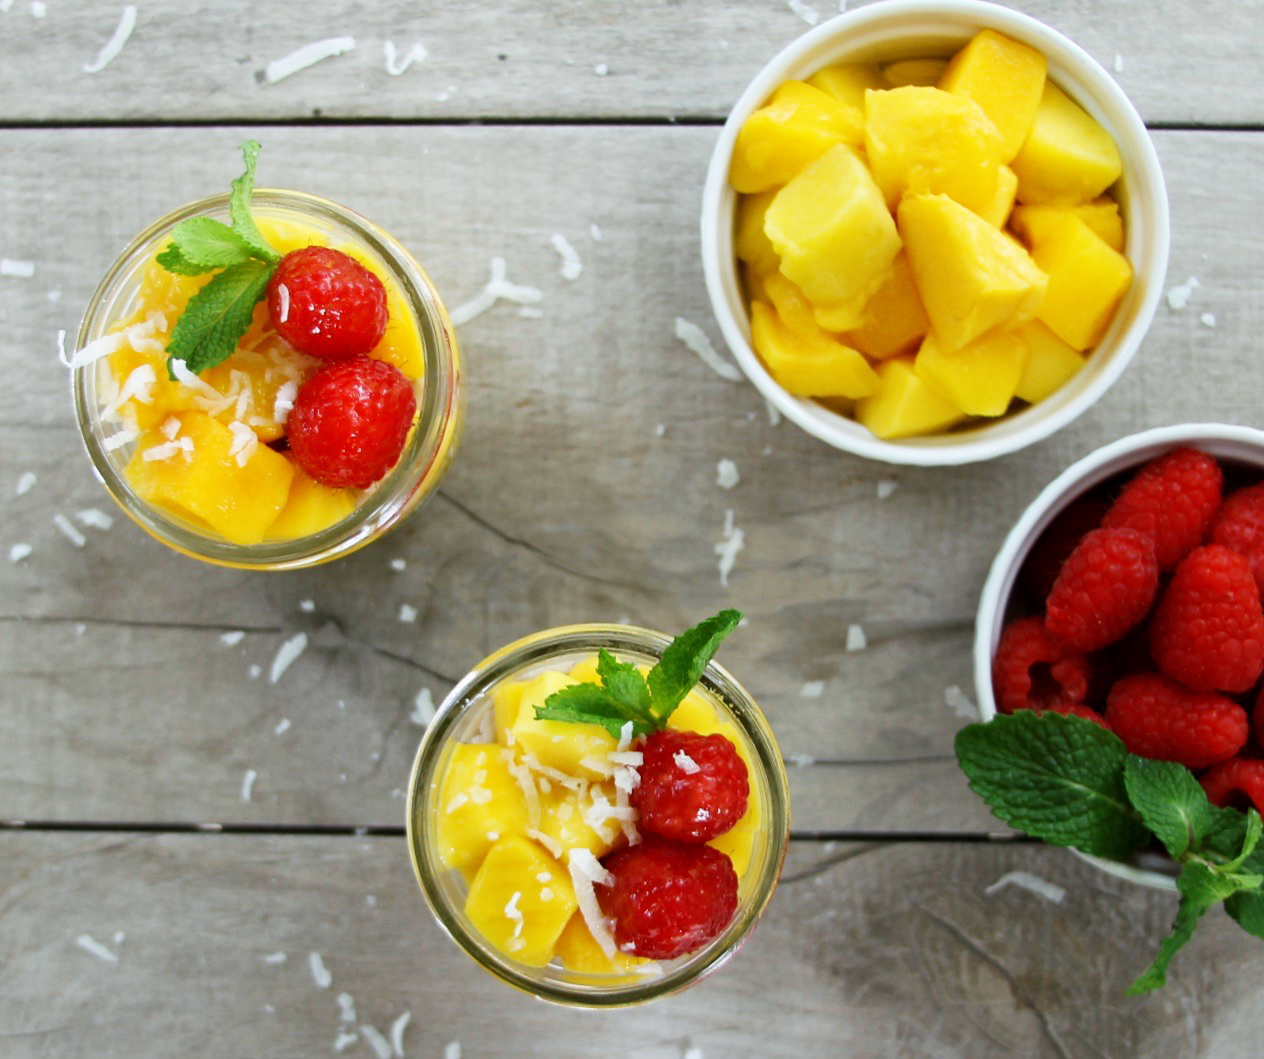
[
  {"x": 599, "y": 815},
  {"x": 266, "y": 380}
]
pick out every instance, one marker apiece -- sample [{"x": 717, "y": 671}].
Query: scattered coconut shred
[
  {"x": 248, "y": 784},
  {"x": 1026, "y": 881},
  {"x": 498, "y": 288},
  {"x": 320, "y": 973},
  {"x": 380, "y": 1045},
  {"x": 804, "y": 11},
  {"x": 126, "y": 23},
  {"x": 726, "y": 476},
  {"x": 308, "y": 55},
  {"x": 732, "y": 542},
  {"x": 417, "y": 53},
  {"x": 960, "y": 702},
  {"x": 285, "y": 656},
  {"x": 68, "y": 528},
  {"x": 856, "y": 640},
  {"x": 571, "y": 264},
  {"x": 423, "y": 709},
  {"x": 1178, "y": 297},
  {"x": 16, "y": 269},
  {"x": 89, "y": 944},
  {"x": 696, "y": 339},
  {"x": 26, "y": 482},
  {"x": 19, "y": 552}
]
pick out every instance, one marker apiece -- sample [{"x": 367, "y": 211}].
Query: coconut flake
[
  {"x": 685, "y": 763},
  {"x": 26, "y": 482},
  {"x": 631, "y": 758},
  {"x": 274, "y": 958},
  {"x": 16, "y": 269},
  {"x": 595, "y": 231},
  {"x": 1178, "y": 297},
  {"x": 497, "y": 288},
  {"x": 398, "y": 565},
  {"x": 960, "y": 702},
  {"x": 19, "y": 552},
  {"x": 395, "y": 66},
  {"x": 625, "y": 736},
  {"x": 456, "y": 802},
  {"x": 514, "y": 914},
  {"x": 1207, "y": 319},
  {"x": 307, "y": 55},
  {"x": 284, "y": 403},
  {"x": 397, "y": 1033},
  {"x": 726, "y": 475},
  {"x": 586, "y": 870},
  {"x": 380, "y": 1045},
  {"x": 244, "y": 443},
  {"x": 183, "y": 375},
  {"x": 423, "y": 709},
  {"x": 126, "y": 23},
  {"x": 123, "y": 437},
  {"x": 283, "y": 303},
  {"x": 696, "y": 339},
  {"x": 804, "y": 11},
  {"x": 68, "y": 528},
  {"x": 813, "y": 689},
  {"x": 551, "y": 844},
  {"x": 285, "y": 656},
  {"x": 800, "y": 760},
  {"x": 886, "y": 488},
  {"x": 320, "y": 973},
  {"x": 571, "y": 264},
  {"x": 282, "y": 726},
  {"x": 601, "y": 69},
  {"x": 1119, "y": 63},
  {"x": 248, "y": 784},
  {"x": 346, "y": 1007},
  {"x": 732, "y": 542},
  {"x": 522, "y": 775},
  {"x": 1027, "y": 881},
  {"x": 344, "y": 1040},
  {"x": 90, "y": 944},
  {"x": 452, "y": 1050},
  {"x": 92, "y": 352},
  {"x": 856, "y": 640},
  {"x": 232, "y": 638},
  {"x": 407, "y": 613},
  {"x": 307, "y": 606},
  {"x": 139, "y": 385}
]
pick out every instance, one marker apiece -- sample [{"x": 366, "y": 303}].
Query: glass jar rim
[
  {"x": 404, "y": 487},
  {"x": 538, "y": 649}
]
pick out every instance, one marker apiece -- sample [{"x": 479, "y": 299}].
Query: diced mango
[
  {"x": 310, "y": 508},
  {"x": 167, "y": 396},
  {"x": 894, "y": 321},
  {"x": 923, "y": 141},
  {"x": 832, "y": 230},
  {"x": 809, "y": 366},
  {"x": 285, "y": 235},
  {"x": 847, "y": 83},
  {"x": 792, "y": 306},
  {"x": 581, "y": 954},
  {"x": 238, "y": 502},
  {"x": 997, "y": 212},
  {"x": 1101, "y": 215},
  {"x": 586, "y": 672},
  {"x": 400, "y": 343},
  {"x": 738, "y": 842},
  {"x": 167, "y": 292},
  {"x": 1050, "y": 363},
  {"x": 563, "y": 745},
  {"x": 521, "y": 900},
  {"x": 696, "y": 714},
  {"x": 920, "y": 73},
  {"x": 795, "y": 128},
  {"x": 979, "y": 378},
  {"x": 479, "y": 803},
  {"x": 506, "y": 702},
  {"x": 750, "y": 242},
  {"x": 1087, "y": 280},
  {"x": 260, "y": 377},
  {"x": 562, "y": 820},
  {"x": 904, "y": 406},
  {"x": 1005, "y": 78},
  {"x": 972, "y": 278},
  {"x": 1067, "y": 157},
  {"x": 753, "y": 284}
]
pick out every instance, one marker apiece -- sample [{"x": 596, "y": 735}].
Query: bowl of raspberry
[
  {"x": 266, "y": 380},
  {"x": 1129, "y": 594},
  {"x": 598, "y": 814}
]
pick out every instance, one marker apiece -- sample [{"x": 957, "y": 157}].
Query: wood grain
[{"x": 521, "y": 59}]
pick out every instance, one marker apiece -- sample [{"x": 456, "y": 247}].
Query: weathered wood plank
[
  {"x": 523, "y": 59},
  {"x": 867, "y": 950}
]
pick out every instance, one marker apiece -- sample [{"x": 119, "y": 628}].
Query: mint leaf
[
  {"x": 1226, "y": 833},
  {"x": 173, "y": 261},
  {"x": 626, "y": 686},
  {"x": 590, "y": 704},
  {"x": 684, "y": 660},
  {"x": 1198, "y": 886},
  {"x": 208, "y": 243},
  {"x": 219, "y": 314},
  {"x": 1171, "y": 802},
  {"x": 1057, "y": 778},
  {"x": 1247, "y": 910},
  {"x": 239, "y": 206}
]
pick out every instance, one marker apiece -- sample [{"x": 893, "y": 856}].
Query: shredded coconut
[
  {"x": 168, "y": 449},
  {"x": 306, "y": 56},
  {"x": 1207, "y": 319},
  {"x": 68, "y": 528},
  {"x": 344, "y": 1040},
  {"x": 856, "y": 640},
  {"x": 407, "y": 613},
  {"x": 274, "y": 958},
  {"x": 804, "y": 11},
  {"x": 631, "y": 758},
  {"x": 452, "y": 1050},
  {"x": 16, "y": 269},
  {"x": 726, "y": 475},
  {"x": 801, "y": 760},
  {"x": 397, "y": 1033},
  {"x": 1026, "y": 881},
  {"x": 248, "y": 784},
  {"x": 595, "y": 232},
  {"x": 522, "y": 775},
  {"x": 571, "y": 264},
  {"x": 245, "y": 441},
  {"x": 285, "y": 656},
  {"x": 514, "y": 913},
  {"x": 1178, "y": 297},
  {"x": 380, "y": 1045},
  {"x": 116, "y": 441},
  {"x": 320, "y": 973},
  {"x": 126, "y": 23},
  {"x": 457, "y": 801},
  {"x": 92, "y": 352},
  {"x": 696, "y": 339},
  {"x": 282, "y": 726},
  {"x": 398, "y": 565},
  {"x": 886, "y": 488},
  {"x": 232, "y": 638},
  {"x": 346, "y": 1007},
  {"x": 625, "y": 736},
  {"x": 732, "y": 542},
  {"x": 90, "y": 944},
  {"x": 423, "y": 709},
  {"x": 26, "y": 482},
  {"x": 1119, "y": 63},
  {"x": 170, "y": 427},
  {"x": 307, "y": 605},
  {"x": 601, "y": 69},
  {"x": 813, "y": 689},
  {"x": 396, "y": 66},
  {"x": 685, "y": 763},
  {"x": 284, "y": 403},
  {"x": 182, "y": 373},
  {"x": 139, "y": 385},
  {"x": 497, "y": 288},
  {"x": 19, "y": 552},
  {"x": 586, "y": 870},
  {"x": 960, "y": 702},
  {"x": 552, "y": 845},
  {"x": 283, "y": 300}
]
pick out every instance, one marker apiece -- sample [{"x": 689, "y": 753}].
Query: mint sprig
[
  {"x": 219, "y": 314},
  {"x": 1072, "y": 783},
  {"x": 624, "y": 695}
]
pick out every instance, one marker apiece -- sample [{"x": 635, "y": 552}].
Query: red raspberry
[
  {"x": 1033, "y": 671},
  {"x": 327, "y": 304},
  {"x": 1157, "y": 718},
  {"x": 1077, "y": 709},
  {"x": 1105, "y": 588},
  {"x": 692, "y": 786},
  {"x": 1172, "y": 500},
  {"x": 1240, "y": 525},
  {"x": 668, "y": 898},
  {"x": 1235, "y": 783},
  {"x": 350, "y": 422},
  {"x": 1057, "y": 541},
  {"x": 1208, "y": 629}
]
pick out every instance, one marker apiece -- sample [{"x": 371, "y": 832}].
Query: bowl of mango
[{"x": 933, "y": 232}]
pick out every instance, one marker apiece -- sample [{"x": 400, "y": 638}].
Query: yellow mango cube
[
  {"x": 1087, "y": 280},
  {"x": 738, "y": 842},
  {"x": 832, "y": 230},
  {"x": 259, "y": 375},
  {"x": 750, "y": 242},
  {"x": 239, "y": 502},
  {"x": 921, "y": 140},
  {"x": 167, "y": 292},
  {"x": 847, "y": 82},
  {"x": 920, "y": 73},
  {"x": 562, "y": 820},
  {"x": 576, "y": 749},
  {"x": 979, "y": 378},
  {"x": 972, "y": 278},
  {"x": 521, "y": 900},
  {"x": 1005, "y": 78},
  {"x": 506, "y": 702},
  {"x": 1067, "y": 157},
  {"x": 795, "y": 128},
  {"x": 166, "y": 396},
  {"x": 310, "y": 508},
  {"x": 586, "y": 672},
  {"x": 580, "y": 953},
  {"x": 894, "y": 320},
  {"x": 1050, "y": 363},
  {"x": 400, "y": 343},
  {"x": 1101, "y": 215},
  {"x": 904, "y": 405},
  {"x": 809, "y": 366},
  {"x": 479, "y": 802},
  {"x": 997, "y": 212}
]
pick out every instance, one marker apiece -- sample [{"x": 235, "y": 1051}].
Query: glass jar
[
  {"x": 465, "y": 716},
  {"x": 438, "y": 390}
]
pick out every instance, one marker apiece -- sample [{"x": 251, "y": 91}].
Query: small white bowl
[
  {"x": 901, "y": 29},
  {"x": 1242, "y": 445}
]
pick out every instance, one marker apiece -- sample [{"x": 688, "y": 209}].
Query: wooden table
[{"x": 585, "y": 489}]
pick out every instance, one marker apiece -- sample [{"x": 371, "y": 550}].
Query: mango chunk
[
  {"x": 580, "y": 953},
  {"x": 1101, "y": 215},
  {"x": 750, "y": 242},
  {"x": 576, "y": 749},
  {"x": 979, "y": 378},
  {"x": 894, "y": 320},
  {"x": 904, "y": 405},
  {"x": 1050, "y": 363},
  {"x": 1087, "y": 280},
  {"x": 521, "y": 900},
  {"x": 795, "y": 128},
  {"x": 1067, "y": 157},
  {"x": 506, "y": 702},
  {"x": 920, "y": 140},
  {"x": 972, "y": 278},
  {"x": 847, "y": 82},
  {"x": 832, "y": 230},
  {"x": 310, "y": 508},
  {"x": 166, "y": 396},
  {"x": 1005, "y": 78},
  {"x": 479, "y": 803},
  {"x": 809, "y": 366},
  {"x": 239, "y": 502},
  {"x": 921, "y": 73},
  {"x": 562, "y": 820},
  {"x": 997, "y": 212}
]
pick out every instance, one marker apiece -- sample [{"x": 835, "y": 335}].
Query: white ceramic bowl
[
  {"x": 1242, "y": 445},
  {"x": 899, "y": 29}
]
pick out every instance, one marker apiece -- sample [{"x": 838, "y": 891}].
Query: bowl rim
[
  {"x": 1220, "y": 439},
  {"x": 1148, "y": 241}
]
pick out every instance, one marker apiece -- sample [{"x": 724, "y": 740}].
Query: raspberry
[
  {"x": 668, "y": 898},
  {"x": 1208, "y": 629},
  {"x": 1157, "y": 718},
  {"x": 1058, "y": 540},
  {"x": 1235, "y": 783},
  {"x": 350, "y": 422},
  {"x": 1172, "y": 500},
  {"x": 1240, "y": 525},
  {"x": 1105, "y": 587},
  {"x": 1077, "y": 709},
  {"x": 1033, "y": 671},
  {"x": 327, "y": 304},
  {"x": 692, "y": 787}
]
